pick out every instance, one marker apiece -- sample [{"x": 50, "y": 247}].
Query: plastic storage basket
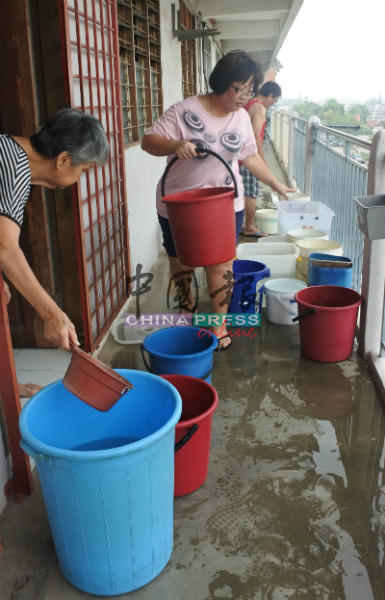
[
  {"x": 371, "y": 216},
  {"x": 279, "y": 258},
  {"x": 304, "y": 215}
]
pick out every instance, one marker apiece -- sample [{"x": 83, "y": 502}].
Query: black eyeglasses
[{"x": 243, "y": 93}]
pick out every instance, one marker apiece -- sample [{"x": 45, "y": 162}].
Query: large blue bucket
[
  {"x": 248, "y": 283},
  {"x": 329, "y": 275},
  {"x": 110, "y": 504},
  {"x": 181, "y": 351}
]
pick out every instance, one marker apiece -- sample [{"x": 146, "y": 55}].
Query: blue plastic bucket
[
  {"x": 110, "y": 505},
  {"x": 248, "y": 284},
  {"x": 181, "y": 351},
  {"x": 329, "y": 276}
]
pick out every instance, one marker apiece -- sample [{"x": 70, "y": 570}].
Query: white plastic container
[
  {"x": 280, "y": 258},
  {"x": 304, "y": 215},
  {"x": 307, "y": 247},
  {"x": 281, "y": 307},
  {"x": 274, "y": 239},
  {"x": 127, "y": 336},
  {"x": 294, "y": 235},
  {"x": 267, "y": 220},
  {"x": 298, "y": 196}
]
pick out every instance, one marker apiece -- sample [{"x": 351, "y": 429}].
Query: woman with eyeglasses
[{"x": 214, "y": 121}]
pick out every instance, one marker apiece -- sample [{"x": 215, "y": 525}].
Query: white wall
[{"x": 144, "y": 171}]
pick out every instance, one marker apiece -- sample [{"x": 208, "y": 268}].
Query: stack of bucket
[{"x": 108, "y": 477}]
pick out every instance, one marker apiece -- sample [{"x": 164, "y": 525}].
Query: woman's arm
[
  {"x": 156, "y": 145},
  {"x": 257, "y": 167},
  {"x": 57, "y": 326}
]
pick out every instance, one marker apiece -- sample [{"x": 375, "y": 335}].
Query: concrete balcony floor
[{"x": 294, "y": 503}]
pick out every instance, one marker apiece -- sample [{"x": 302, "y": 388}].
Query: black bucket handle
[
  {"x": 142, "y": 349},
  {"x": 186, "y": 438},
  {"x": 202, "y": 151},
  {"x": 304, "y": 315}
]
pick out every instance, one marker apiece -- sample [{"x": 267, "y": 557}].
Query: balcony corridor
[{"x": 294, "y": 503}]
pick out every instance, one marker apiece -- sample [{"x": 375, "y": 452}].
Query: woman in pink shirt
[{"x": 214, "y": 121}]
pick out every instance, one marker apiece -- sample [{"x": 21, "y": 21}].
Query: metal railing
[
  {"x": 336, "y": 179},
  {"x": 297, "y": 172},
  {"x": 324, "y": 163},
  {"x": 317, "y": 159}
]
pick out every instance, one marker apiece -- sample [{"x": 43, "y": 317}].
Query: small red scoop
[{"x": 93, "y": 382}]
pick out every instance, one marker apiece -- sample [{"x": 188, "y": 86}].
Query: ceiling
[{"x": 256, "y": 26}]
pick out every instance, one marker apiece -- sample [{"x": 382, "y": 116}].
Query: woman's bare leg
[
  {"x": 220, "y": 283},
  {"x": 183, "y": 277}
]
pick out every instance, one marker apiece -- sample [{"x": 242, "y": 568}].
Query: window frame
[
  {"x": 188, "y": 53},
  {"x": 140, "y": 57}
]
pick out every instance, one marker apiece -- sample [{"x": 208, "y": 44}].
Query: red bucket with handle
[
  {"x": 202, "y": 221},
  {"x": 327, "y": 316},
  {"x": 193, "y": 432}
]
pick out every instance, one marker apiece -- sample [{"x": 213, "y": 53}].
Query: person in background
[
  {"x": 69, "y": 143},
  {"x": 256, "y": 107},
  {"x": 213, "y": 121}
]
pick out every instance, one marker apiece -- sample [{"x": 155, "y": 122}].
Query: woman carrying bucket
[{"x": 214, "y": 122}]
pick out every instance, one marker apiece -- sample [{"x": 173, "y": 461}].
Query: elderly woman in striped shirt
[{"x": 55, "y": 157}]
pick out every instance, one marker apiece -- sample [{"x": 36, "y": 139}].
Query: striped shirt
[{"x": 15, "y": 179}]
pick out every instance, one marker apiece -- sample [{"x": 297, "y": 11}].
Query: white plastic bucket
[
  {"x": 294, "y": 235},
  {"x": 281, "y": 307},
  {"x": 267, "y": 220},
  {"x": 307, "y": 247}
]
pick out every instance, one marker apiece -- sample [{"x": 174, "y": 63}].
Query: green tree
[
  {"x": 307, "y": 109},
  {"x": 332, "y": 105}
]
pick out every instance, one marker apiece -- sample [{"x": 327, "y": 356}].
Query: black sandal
[{"x": 223, "y": 348}]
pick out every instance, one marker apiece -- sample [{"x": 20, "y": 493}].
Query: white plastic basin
[{"x": 280, "y": 258}]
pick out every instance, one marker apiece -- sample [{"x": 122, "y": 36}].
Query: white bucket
[
  {"x": 298, "y": 196},
  {"x": 267, "y": 220},
  {"x": 307, "y": 247},
  {"x": 294, "y": 235},
  {"x": 281, "y": 308}
]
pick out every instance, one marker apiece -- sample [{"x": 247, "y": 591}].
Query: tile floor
[{"x": 40, "y": 366}]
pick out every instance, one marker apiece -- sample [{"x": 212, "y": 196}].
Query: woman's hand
[
  {"x": 282, "y": 189},
  {"x": 59, "y": 330},
  {"x": 7, "y": 292},
  {"x": 184, "y": 150}
]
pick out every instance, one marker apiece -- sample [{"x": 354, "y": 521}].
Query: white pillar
[{"x": 373, "y": 267}]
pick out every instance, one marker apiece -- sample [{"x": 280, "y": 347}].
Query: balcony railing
[{"x": 321, "y": 162}]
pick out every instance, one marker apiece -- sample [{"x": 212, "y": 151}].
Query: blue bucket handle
[
  {"x": 186, "y": 438},
  {"x": 142, "y": 349},
  {"x": 35, "y": 455},
  {"x": 203, "y": 151}
]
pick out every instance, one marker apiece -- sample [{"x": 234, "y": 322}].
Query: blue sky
[{"x": 335, "y": 48}]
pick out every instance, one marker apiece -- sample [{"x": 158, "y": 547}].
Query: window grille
[
  {"x": 189, "y": 78},
  {"x": 91, "y": 54},
  {"x": 140, "y": 72}
]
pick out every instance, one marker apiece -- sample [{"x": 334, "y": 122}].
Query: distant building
[{"x": 376, "y": 112}]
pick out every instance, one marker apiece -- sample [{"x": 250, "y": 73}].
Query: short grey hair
[{"x": 72, "y": 131}]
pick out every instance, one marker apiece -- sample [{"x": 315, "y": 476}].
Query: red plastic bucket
[
  {"x": 327, "y": 316},
  {"x": 193, "y": 432},
  {"x": 202, "y": 221}
]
